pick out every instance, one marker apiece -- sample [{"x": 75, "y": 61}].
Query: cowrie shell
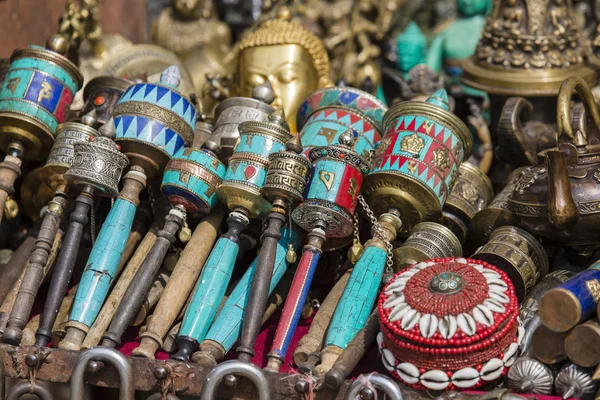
[
  {"x": 492, "y": 369},
  {"x": 447, "y": 326},
  {"x": 497, "y": 285},
  {"x": 510, "y": 354},
  {"x": 428, "y": 324},
  {"x": 500, "y": 297},
  {"x": 393, "y": 301},
  {"x": 494, "y": 306},
  {"x": 465, "y": 378},
  {"x": 435, "y": 380},
  {"x": 399, "y": 311},
  {"x": 388, "y": 359},
  {"x": 483, "y": 315},
  {"x": 408, "y": 372},
  {"x": 466, "y": 323},
  {"x": 410, "y": 319},
  {"x": 461, "y": 260}
]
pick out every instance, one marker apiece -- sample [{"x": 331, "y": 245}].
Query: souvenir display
[
  {"x": 149, "y": 135},
  {"x": 327, "y": 211},
  {"x": 240, "y": 191},
  {"x": 449, "y": 241},
  {"x": 448, "y": 323}
]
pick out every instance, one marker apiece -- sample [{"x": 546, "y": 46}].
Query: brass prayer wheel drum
[
  {"x": 287, "y": 176},
  {"x": 471, "y": 192},
  {"x": 518, "y": 254},
  {"x": 232, "y": 112},
  {"x": 417, "y": 161},
  {"x": 97, "y": 163},
  {"x": 63, "y": 151},
  {"x": 35, "y": 97},
  {"x": 247, "y": 170},
  {"x": 427, "y": 240},
  {"x": 495, "y": 215},
  {"x": 528, "y": 48}
]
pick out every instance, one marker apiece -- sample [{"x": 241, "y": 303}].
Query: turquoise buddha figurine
[
  {"x": 458, "y": 39},
  {"x": 413, "y": 80}
]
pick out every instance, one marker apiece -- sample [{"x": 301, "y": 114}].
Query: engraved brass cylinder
[
  {"x": 518, "y": 254},
  {"x": 427, "y": 240}
]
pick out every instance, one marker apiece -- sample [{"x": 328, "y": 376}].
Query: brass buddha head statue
[{"x": 293, "y": 59}]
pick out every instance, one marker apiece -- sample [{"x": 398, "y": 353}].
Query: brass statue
[
  {"x": 291, "y": 58},
  {"x": 188, "y": 25},
  {"x": 190, "y": 29}
]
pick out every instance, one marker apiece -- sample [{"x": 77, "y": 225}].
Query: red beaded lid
[{"x": 447, "y": 315}]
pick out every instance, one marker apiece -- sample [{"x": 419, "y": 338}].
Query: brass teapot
[{"x": 560, "y": 200}]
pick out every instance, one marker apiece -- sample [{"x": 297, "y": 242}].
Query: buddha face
[
  {"x": 410, "y": 55},
  {"x": 290, "y": 70},
  {"x": 469, "y": 8}
]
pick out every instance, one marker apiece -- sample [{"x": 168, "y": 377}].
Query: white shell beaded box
[{"x": 448, "y": 324}]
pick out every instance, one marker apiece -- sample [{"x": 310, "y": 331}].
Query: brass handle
[
  {"x": 562, "y": 210},
  {"x": 510, "y": 130},
  {"x": 563, "y": 108}
]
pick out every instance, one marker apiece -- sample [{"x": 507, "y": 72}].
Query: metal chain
[
  {"x": 379, "y": 232},
  {"x": 93, "y": 222}
]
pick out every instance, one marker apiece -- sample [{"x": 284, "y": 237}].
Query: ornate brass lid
[{"x": 528, "y": 48}]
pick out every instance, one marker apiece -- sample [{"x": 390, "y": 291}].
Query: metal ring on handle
[
  {"x": 23, "y": 388},
  {"x": 107, "y": 355},
  {"x": 235, "y": 367},
  {"x": 563, "y": 108},
  {"x": 387, "y": 385}
]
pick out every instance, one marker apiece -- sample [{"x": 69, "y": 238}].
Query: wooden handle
[{"x": 182, "y": 280}]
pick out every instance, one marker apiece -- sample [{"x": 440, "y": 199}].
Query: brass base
[
  {"x": 36, "y": 140},
  {"x": 522, "y": 82},
  {"x": 415, "y": 201},
  {"x": 237, "y": 195},
  {"x": 151, "y": 158},
  {"x": 560, "y": 310}
]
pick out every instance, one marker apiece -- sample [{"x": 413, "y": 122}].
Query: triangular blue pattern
[
  {"x": 127, "y": 120},
  {"x": 174, "y": 99},
  {"x": 136, "y": 89},
  {"x": 169, "y": 135},
  {"x": 161, "y": 91},
  {"x": 141, "y": 124},
  {"x": 149, "y": 89},
  {"x": 156, "y": 128}
]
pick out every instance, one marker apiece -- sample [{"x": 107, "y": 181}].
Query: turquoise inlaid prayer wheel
[
  {"x": 247, "y": 170},
  {"x": 327, "y": 113},
  {"x": 417, "y": 161},
  {"x": 35, "y": 98},
  {"x": 191, "y": 179},
  {"x": 153, "y": 121}
]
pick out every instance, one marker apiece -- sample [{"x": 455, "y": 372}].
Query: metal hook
[
  {"x": 247, "y": 370},
  {"x": 107, "y": 355},
  {"x": 387, "y": 385},
  {"x": 23, "y": 388}
]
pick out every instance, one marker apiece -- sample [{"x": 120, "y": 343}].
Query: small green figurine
[
  {"x": 412, "y": 48},
  {"x": 458, "y": 39}
]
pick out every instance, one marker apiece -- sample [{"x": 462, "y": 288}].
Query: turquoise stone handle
[
  {"x": 102, "y": 263},
  {"x": 227, "y": 328},
  {"x": 210, "y": 289},
  {"x": 358, "y": 298}
]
